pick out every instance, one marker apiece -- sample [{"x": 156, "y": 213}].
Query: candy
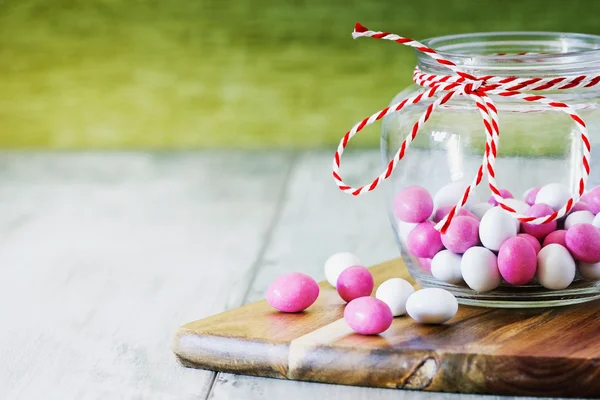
[
  {"x": 480, "y": 209},
  {"x": 404, "y": 229},
  {"x": 555, "y": 267},
  {"x": 449, "y": 195},
  {"x": 581, "y": 206},
  {"x": 557, "y": 237},
  {"x": 462, "y": 234},
  {"x": 394, "y": 292},
  {"x": 445, "y": 267},
  {"x": 517, "y": 261},
  {"x": 596, "y": 221},
  {"x": 505, "y": 194},
  {"x": 413, "y": 204},
  {"x": 530, "y": 195},
  {"x": 368, "y": 316},
  {"x": 592, "y": 198},
  {"x": 542, "y": 230},
  {"x": 424, "y": 241},
  {"x": 519, "y": 206},
  {"x": 589, "y": 271},
  {"x": 532, "y": 241},
  {"x": 554, "y": 195},
  {"x": 496, "y": 227},
  {"x": 579, "y": 217},
  {"x": 355, "y": 282},
  {"x": 431, "y": 306},
  {"x": 425, "y": 264},
  {"x": 479, "y": 267},
  {"x": 441, "y": 212},
  {"x": 338, "y": 263},
  {"x": 292, "y": 292},
  {"x": 583, "y": 241}
]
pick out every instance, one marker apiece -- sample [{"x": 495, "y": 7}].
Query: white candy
[
  {"x": 519, "y": 206},
  {"x": 596, "y": 221},
  {"x": 337, "y": 263},
  {"x": 479, "y": 267},
  {"x": 480, "y": 209},
  {"x": 589, "y": 271},
  {"x": 445, "y": 266},
  {"x": 496, "y": 227},
  {"x": 555, "y": 195},
  {"x": 404, "y": 229},
  {"x": 579, "y": 217},
  {"x": 431, "y": 306},
  {"x": 555, "y": 267},
  {"x": 449, "y": 195},
  {"x": 394, "y": 292}
]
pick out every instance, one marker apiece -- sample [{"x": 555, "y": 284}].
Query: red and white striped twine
[{"x": 445, "y": 87}]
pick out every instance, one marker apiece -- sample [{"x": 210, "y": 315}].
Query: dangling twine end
[{"x": 358, "y": 29}]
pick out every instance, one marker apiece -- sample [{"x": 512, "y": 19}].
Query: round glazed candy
[
  {"x": 462, "y": 234},
  {"x": 505, "y": 194},
  {"x": 404, "y": 229},
  {"x": 394, "y": 292},
  {"x": 496, "y": 227},
  {"x": 517, "y": 261},
  {"x": 480, "y": 209},
  {"x": 449, "y": 195},
  {"x": 441, "y": 212},
  {"x": 530, "y": 195},
  {"x": 557, "y": 237},
  {"x": 589, "y": 271},
  {"x": 519, "y": 206},
  {"x": 554, "y": 195},
  {"x": 579, "y": 217},
  {"x": 431, "y": 306},
  {"x": 532, "y": 241},
  {"x": 581, "y": 206},
  {"x": 338, "y": 263},
  {"x": 592, "y": 198},
  {"x": 445, "y": 267},
  {"x": 596, "y": 221},
  {"x": 424, "y": 241},
  {"x": 479, "y": 267},
  {"x": 355, "y": 282},
  {"x": 413, "y": 204},
  {"x": 425, "y": 264},
  {"x": 539, "y": 231},
  {"x": 583, "y": 241},
  {"x": 368, "y": 316},
  {"x": 293, "y": 292},
  {"x": 555, "y": 267}
]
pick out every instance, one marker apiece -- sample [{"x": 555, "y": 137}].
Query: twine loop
[{"x": 440, "y": 89}]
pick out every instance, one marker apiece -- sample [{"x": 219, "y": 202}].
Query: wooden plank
[
  {"x": 535, "y": 352},
  {"x": 104, "y": 255}
]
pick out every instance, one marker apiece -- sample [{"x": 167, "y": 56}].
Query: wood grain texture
[{"x": 543, "y": 352}]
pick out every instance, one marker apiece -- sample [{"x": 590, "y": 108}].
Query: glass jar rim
[{"x": 516, "y": 53}]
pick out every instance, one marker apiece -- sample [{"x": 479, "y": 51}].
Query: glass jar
[{"x": 538, "y": 144}]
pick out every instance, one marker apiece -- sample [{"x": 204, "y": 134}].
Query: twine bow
[{"x": 442, "y": 88}]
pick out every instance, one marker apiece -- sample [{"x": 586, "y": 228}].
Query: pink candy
[
  {"x": 355, "y": 282},
  {"x": 581, "y": 206},
  {"x": 413, "y": 204},
  {"x": 557, "y": 237},
  {"x": 368, "y": 316},
  {"x": 539, "y": 231},
  {"x": 517, "y": 261},
  {"x": 532, "y": 241},
  {"x": 461, "y": 235},
  {"x": 505, "y": 194},
  {"x": 583, "y": 241},
  {"x": 424, "y": 241},
  {"x": 531, "y": 195},
  {"x": 441, "y": 212},
  {"x": 592, "y": 198},
  {"x": 425, "y": 263},
  {"x": 293, "y": 292}
]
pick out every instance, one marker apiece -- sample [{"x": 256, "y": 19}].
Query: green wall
[{"x": 238, "y": 73}]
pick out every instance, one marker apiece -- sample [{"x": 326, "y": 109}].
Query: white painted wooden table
[{"x": 103, "y": 256}]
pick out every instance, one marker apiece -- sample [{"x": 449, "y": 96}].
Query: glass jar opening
[{"x": 521, "y": 54}]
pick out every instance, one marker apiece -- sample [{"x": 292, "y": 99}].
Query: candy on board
[
  {"x": 555, "y": 195},
  {"x": 413, "y": 204},
  {"x": 368, "y": 316},
  {"x": 517, "y": 261},
  {"x": 462, "y": 234},
  {"x": 479, "y": 267},
  {"x": 292, "y": 292},
  {"x": 480, "y": 209},
  {"x": 424, "y": 241},
  {"x": 337, "y": 263},
  {"x": 555, "y": 267},
  {"x": 431, "y": 306},
  {"x": 589, "y": 271},
  {"x": 583, "y": 241},
  {"x": 533, "y": 241},
  {"x": 579, "y": 217},
  {"x": 445, "y": 267},
  {"x": 394, "y": 292},
  {"x": 355, "y": 282},
  {"x": 496, "y": 227},
  {"x": 539, "y": 231}
]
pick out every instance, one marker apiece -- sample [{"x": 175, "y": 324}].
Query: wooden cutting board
[{"x": 537, "y": 352}]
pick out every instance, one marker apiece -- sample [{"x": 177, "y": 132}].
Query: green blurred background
[{"x": 113, "y": 74}]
